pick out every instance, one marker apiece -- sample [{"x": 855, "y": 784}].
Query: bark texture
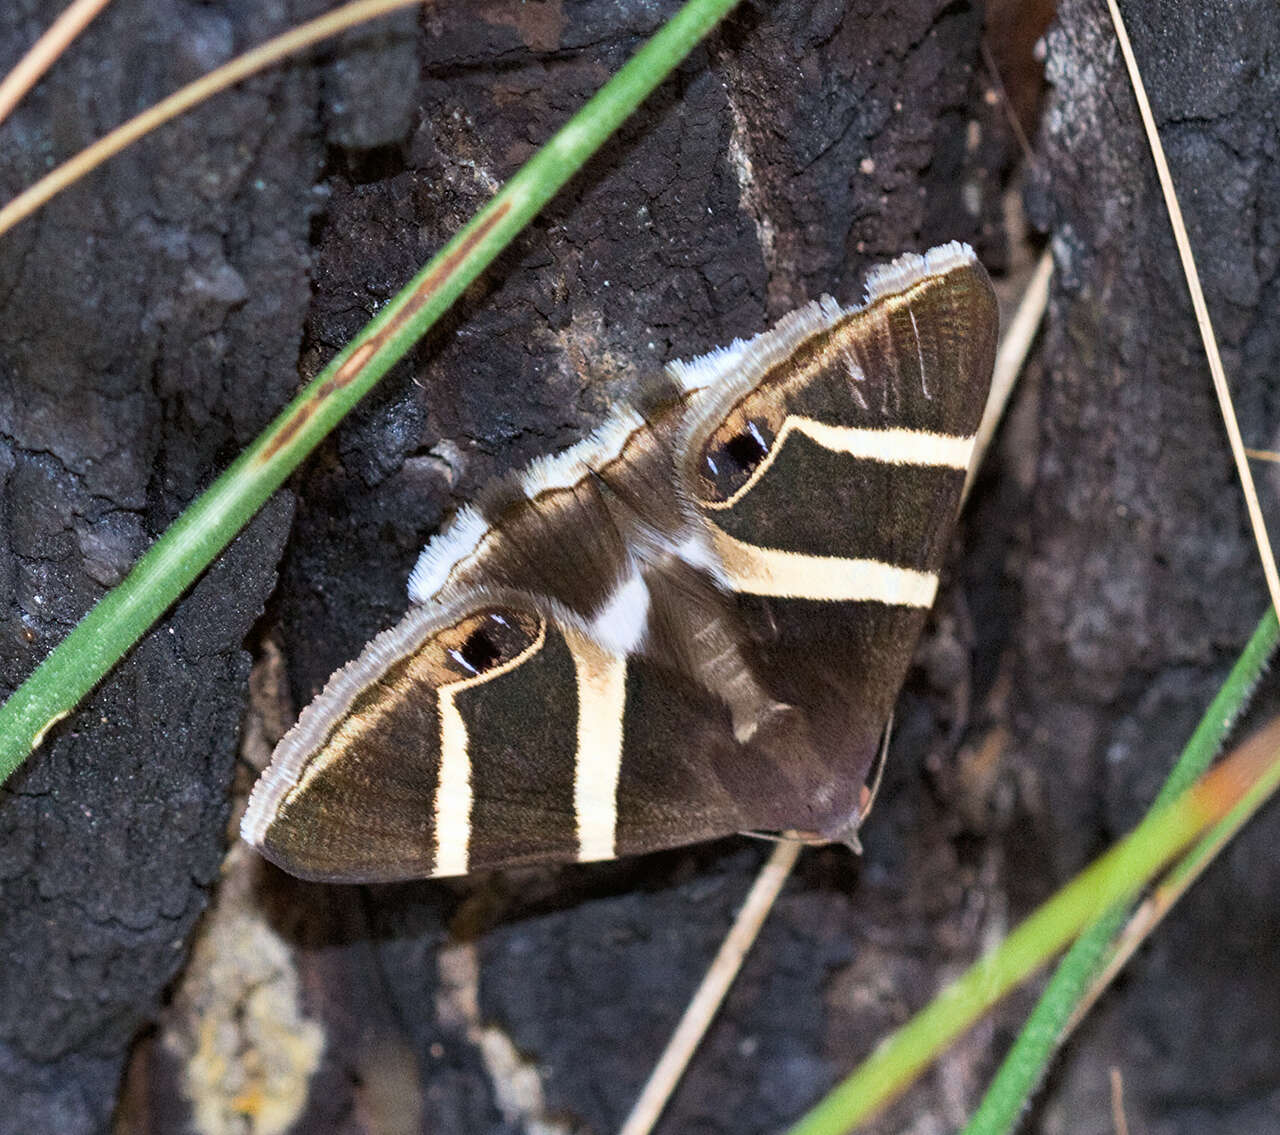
[
  {"x": 1142, "y": 580},
  {"x": 154, "y": 318},
  {"x": 145, "y": 336}
]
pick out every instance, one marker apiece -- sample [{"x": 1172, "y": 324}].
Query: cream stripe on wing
[
  {"x": 892, "y": 446},
  {"x": 602, "y": 698},
  {"x": 453, "y": 781},
  {"x": 453, "y": 792},
  {"x": 791, "y": 575}
]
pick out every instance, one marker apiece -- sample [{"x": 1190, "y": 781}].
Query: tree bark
[{"x": 155, "y": 317}]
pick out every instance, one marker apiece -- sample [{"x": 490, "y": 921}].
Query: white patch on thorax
[{"x": 621, "y": 624}]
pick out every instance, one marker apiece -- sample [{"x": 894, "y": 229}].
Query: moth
[{"x": 695, "y": 622}]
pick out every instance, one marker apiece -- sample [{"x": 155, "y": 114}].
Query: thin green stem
[
  {"x": 123, "y": 615},
  {"x": 1024, "y": 1065},
  {"x": 1105, "y": 886}
]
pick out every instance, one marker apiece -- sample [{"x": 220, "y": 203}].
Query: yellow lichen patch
[{"x": 237, "y": 1025}]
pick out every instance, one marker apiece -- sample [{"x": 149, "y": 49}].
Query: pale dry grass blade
[
  {"x": 1119, "y": 1123},
  {"x": 1202, "y": 312},
  {"x": 711, "y": 993},
  {"x": 45, "y": 51},
  {"x": 1015, "y": 345},
  {"x": 251, "y": 62}
]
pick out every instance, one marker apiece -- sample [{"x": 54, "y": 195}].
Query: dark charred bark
[
  {"x": 156, "y": 317},
  {"x": 1142, "y": 581}
]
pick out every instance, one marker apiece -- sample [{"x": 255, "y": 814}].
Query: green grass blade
[
  {"x": 1024, "y": 1065},
  {"x": 170, "y": 565},
  {"x": 1106, "y": 885}
]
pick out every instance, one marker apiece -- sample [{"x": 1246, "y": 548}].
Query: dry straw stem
[
  {"x": 1118, "y": 1119},
  {"x": 1262, "y": 454},
  {"x": 250, "y": 63},
  {"x": 1015, "y": 345},
  {"x": 1202, "y": 312},
  {"x": 710, "y": 994},
  {"x": 45, "y": 51}
]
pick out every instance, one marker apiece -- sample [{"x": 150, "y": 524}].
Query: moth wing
[
  {"x": 827, "y": 458},
  {"x": 365, "y": 785},
  {"x": 480, "y": 737},
  {"x": 822, "y": 462}
]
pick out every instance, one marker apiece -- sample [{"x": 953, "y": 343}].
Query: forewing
[{"x": 829, "y": 470}]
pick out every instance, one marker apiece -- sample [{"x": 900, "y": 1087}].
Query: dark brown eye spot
[
  {"x": 728, "y": 462},
  {"x": 485, "y": 641},
  {"x": 747, "y": 449},
  {"x": 479, "y": 652}
]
